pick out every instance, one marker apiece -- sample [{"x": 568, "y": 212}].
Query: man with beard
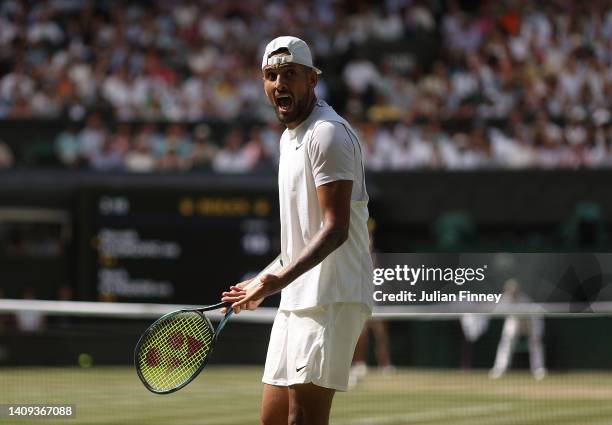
[{"x": 324, "y": 270}]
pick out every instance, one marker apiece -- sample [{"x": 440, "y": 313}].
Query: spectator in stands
[
  {"x": 176, "y": 150},
  {"x": 374, "y": 154},
  {"x": 172, "y": 161},
  {"x": 270, "y": 136},
  {"x": 16, "y": 86},
  {"x": 139, "y": 158},
  {"x": 91, "y": 138},
  {"x": 461, "y": 33},
  {"x": 6, "y": 156},
  {"x": 232, "y": 158},
  {"x": 107, "y": 157},
  {"x": 603, "y": 133},
  {"x": 418, "y": 149},
  {"x": 360, "y": 76},
  {"x": 204, "y": 150},
  {"x": 152, "y": 138},
  {"x": 418, "y": 17},
  {"x": 254, "y": 150},
  {"x": 67, "y": 148},
  {"x": 122, "y": 138}
]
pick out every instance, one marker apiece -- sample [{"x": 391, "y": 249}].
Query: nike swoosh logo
[
  {"x": 299, "y": 146},
  {"x": 297, "y": 369}
]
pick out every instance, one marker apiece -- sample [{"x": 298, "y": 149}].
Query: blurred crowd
[
  {"x": 512, "y": 144},
  {"x": 149, "y": 147},
  {"x": 533, "y": 80},
  {"x": 387, "y": 146}
]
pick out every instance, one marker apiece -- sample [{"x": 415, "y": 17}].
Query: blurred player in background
[
  {"x": 326, "y": 274},
  {"x": 381, "y": 336},
  {"x": 473, "y": 327},
  {"x": 515, "y": 327}
]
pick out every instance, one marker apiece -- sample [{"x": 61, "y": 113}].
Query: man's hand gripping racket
[
  {"x": 175, "y": 349},
  {"x": 248, "y": 295}
]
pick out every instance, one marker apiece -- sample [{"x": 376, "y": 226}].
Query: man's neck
[{"x": 307, "y": 112}]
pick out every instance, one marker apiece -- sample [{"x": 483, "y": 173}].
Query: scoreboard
[{"x": 173, "y": 245}]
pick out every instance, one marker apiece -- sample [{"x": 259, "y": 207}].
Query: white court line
[
  {"x": 562, "y": 413},
  {"x": 477, "y": 410},
  {"x": 429, "y": 415},
  {"x": 599, "y": 422}
]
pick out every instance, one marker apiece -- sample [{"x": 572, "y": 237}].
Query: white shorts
[{"x": 314, "y": 345}]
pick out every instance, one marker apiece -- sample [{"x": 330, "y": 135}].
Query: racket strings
[{"x": 174, "y": 349}]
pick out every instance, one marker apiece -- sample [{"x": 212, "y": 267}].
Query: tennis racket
[{"x": 175, "y": 349}]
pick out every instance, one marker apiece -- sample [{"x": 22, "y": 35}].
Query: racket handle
[
  {"x": 216, "y": 306},
  {"x": 223, "y": 321}
]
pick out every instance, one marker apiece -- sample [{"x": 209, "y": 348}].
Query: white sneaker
[
  {"x": 539, "y": 374},
  {"x": 359, "y": 370},
  {"x": 352, "y": 382},
  {"x": 496, "y": 373},
  {"x": 388, "y": 370}
]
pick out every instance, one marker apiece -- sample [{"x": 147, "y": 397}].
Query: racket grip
[
  {"x": 217, "y": 306},
  {"x": 223, "y": 321}
]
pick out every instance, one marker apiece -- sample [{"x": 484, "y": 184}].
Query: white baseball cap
[{"x": 299, "y": 52}]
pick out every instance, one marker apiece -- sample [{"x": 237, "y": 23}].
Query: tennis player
[{"x": 324, "y": 269}]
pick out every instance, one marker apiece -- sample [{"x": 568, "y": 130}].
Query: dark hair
[{"x": 277, "y": 51}]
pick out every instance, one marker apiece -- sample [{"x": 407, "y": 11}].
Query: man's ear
[{"x": 313, "y": 78}]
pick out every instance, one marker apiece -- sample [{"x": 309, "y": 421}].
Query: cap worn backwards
[{"x": 299, "y": 52}]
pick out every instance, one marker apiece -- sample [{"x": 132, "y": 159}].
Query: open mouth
[{"x": 284, "y": 102}]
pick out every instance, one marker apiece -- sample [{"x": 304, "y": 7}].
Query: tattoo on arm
[
  {"x": 334, "y": 201},
  {"x": 323, "y": 244}
]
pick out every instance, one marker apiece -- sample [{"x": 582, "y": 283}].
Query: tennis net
[{"x": 441, "y": 370}]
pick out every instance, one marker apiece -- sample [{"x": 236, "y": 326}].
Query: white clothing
[
  {"x": 315, "y": 345},
  {"x": 322, "y": 149}
]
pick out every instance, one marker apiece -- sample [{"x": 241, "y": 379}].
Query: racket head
[{"x": 174, "y": 350}]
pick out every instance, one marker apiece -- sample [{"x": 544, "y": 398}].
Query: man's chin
[{"x": 285, "y": 117}]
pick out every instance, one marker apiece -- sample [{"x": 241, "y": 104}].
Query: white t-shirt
[{"x": 322, "y": 149}]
